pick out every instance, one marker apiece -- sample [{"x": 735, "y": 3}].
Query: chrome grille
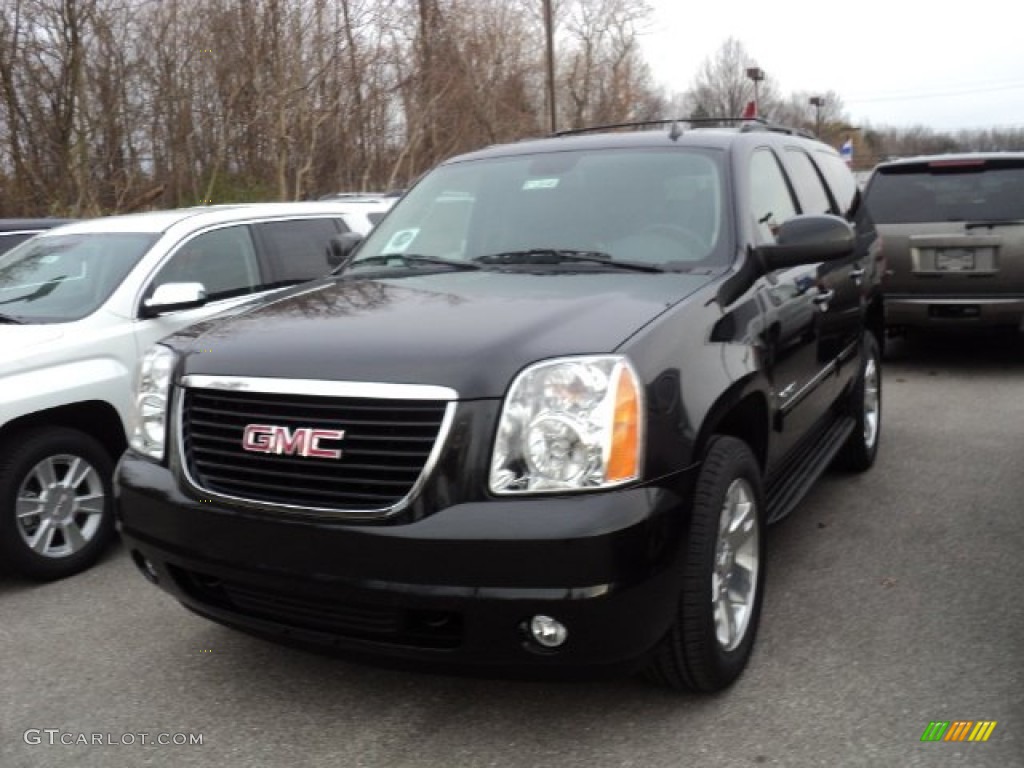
[{"x": 387, "y": 447}]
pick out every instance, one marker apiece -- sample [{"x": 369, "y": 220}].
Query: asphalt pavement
[{"x": 893, "y": 600}]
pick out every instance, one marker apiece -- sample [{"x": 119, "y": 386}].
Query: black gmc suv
[{"x": 538, "y": 419}]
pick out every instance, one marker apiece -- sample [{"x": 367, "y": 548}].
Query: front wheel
[
  {"x": 712, "y": 638},
  {"x": 56, "y": 505}
]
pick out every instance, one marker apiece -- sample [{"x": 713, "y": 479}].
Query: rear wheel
[
  {"x": 861, "y": 448},
  {"x": 723, "y": 582},
  {"x": 56, "y": 505}
]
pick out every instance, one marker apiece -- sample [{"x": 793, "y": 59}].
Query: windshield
[
  {"x": 661, "y": 207},
  {"x": 59, "y": 278},
  {"x": 948, "y": 191}
]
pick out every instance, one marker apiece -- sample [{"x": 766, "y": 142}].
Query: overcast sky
[{"x": 893, "y": 62}]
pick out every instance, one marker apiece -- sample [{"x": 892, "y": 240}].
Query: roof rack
[{"x": 745, "y": 124}]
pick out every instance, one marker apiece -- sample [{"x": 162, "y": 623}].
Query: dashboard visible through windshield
[{"x": 661, "y": 208}]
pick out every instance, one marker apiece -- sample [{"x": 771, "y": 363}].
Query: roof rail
[
  {"x": 745, "y": 124},
  {"x": 638, "y": 125},
  {"x": 760, "y": 124}
]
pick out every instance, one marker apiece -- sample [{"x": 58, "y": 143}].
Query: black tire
[
  {"x": 859, "y": 452},
  {"x": 692, "y": 656},
  {"x": 82, "y": 523}
]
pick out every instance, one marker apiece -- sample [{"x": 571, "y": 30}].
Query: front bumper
[{"x": 454, "y": 587}]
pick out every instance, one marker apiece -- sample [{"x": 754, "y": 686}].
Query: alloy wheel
[{"x": 735, "y": 576}]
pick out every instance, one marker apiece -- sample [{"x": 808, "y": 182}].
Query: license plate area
[
  {"x": 934, "y": 256},
  {"x": 955, "y": 260}
]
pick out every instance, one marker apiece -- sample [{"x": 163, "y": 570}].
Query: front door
[{"x": 796, "y": 303}]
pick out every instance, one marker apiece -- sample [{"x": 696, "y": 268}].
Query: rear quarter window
[{"x": 297, "y": 248}]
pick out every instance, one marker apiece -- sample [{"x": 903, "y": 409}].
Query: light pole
[
  {"x": 549, "y": 34},
  {"x": 817, "y": 102},
  {"x": 757, "y": 75}
]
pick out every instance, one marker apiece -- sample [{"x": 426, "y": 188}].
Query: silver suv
[
  {"x": 79, "y": 305},
  {"x": 952, "y": 229}
]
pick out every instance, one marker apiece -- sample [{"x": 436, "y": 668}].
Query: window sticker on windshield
[
  {"x": 540, "y": 183},
  {"x": 401, "y": 240}
]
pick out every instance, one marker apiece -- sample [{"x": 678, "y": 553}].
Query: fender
[{"x": 104, "y": 379}]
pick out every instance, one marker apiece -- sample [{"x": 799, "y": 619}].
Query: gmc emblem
[{"x": 303, "y": 441}]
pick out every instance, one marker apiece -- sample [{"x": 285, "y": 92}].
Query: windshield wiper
[
  {"x": 11, "y": 319},
  {"x": 410, "y": 259},
  {"x": 561, "y": 256},
  {"x": 994, "y": 223}
]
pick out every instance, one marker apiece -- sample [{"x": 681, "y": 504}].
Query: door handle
[{"x": 822, "y": 299}]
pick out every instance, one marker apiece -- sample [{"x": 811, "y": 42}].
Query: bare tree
[
  {"x": 822, "y": 113},
  {"x": 605, "y": 79},
  {"x": 723, "y": 89},
  {"x": 109, "y": 105},
  {"x": 42, "y": 70}
]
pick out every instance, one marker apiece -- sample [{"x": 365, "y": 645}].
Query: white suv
[{"x": 79, "y": 305}]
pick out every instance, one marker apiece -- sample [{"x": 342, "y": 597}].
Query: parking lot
[{"x": 893, "y": 601}]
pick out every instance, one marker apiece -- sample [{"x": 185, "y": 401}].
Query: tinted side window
[
  {"x": 223, "y": 260},
  {"x": 770, "y": 199},
  {"x": 841, "y": 181},
  {"x": 809, "y": 187},
  {"x": 298, "y": 248}
]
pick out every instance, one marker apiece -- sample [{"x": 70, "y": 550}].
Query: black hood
[{"x": 471, "y": 331}]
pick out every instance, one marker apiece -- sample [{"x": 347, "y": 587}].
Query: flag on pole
[{"x": 846, "y": 151}]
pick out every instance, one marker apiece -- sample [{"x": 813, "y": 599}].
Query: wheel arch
[
  {"x": 874, "y": 321},
  {"x": 742, "y": 413},
  {"x": 96, "y": 418}
]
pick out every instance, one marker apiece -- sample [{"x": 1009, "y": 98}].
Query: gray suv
[{"x": 952, "y": 229}]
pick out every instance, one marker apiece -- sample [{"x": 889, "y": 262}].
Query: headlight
[
  {"x": 570, "y": 424},
  {"x": 153, "y": 384}
]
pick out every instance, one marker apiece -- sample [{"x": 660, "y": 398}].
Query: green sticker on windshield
[
  {"x": 540, "y": 183},
  {"x": 401, "y": 240}
]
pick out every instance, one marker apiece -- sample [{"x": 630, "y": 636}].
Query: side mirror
[
  {"x": 808, "y": 239},
  {"x": 340, "y": 248},
  {"x": 173, "y": 297}
]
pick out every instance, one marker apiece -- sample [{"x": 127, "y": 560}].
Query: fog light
[
  {"x": 548, "y": 632},
  {"x": 146, "y": 567}
]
